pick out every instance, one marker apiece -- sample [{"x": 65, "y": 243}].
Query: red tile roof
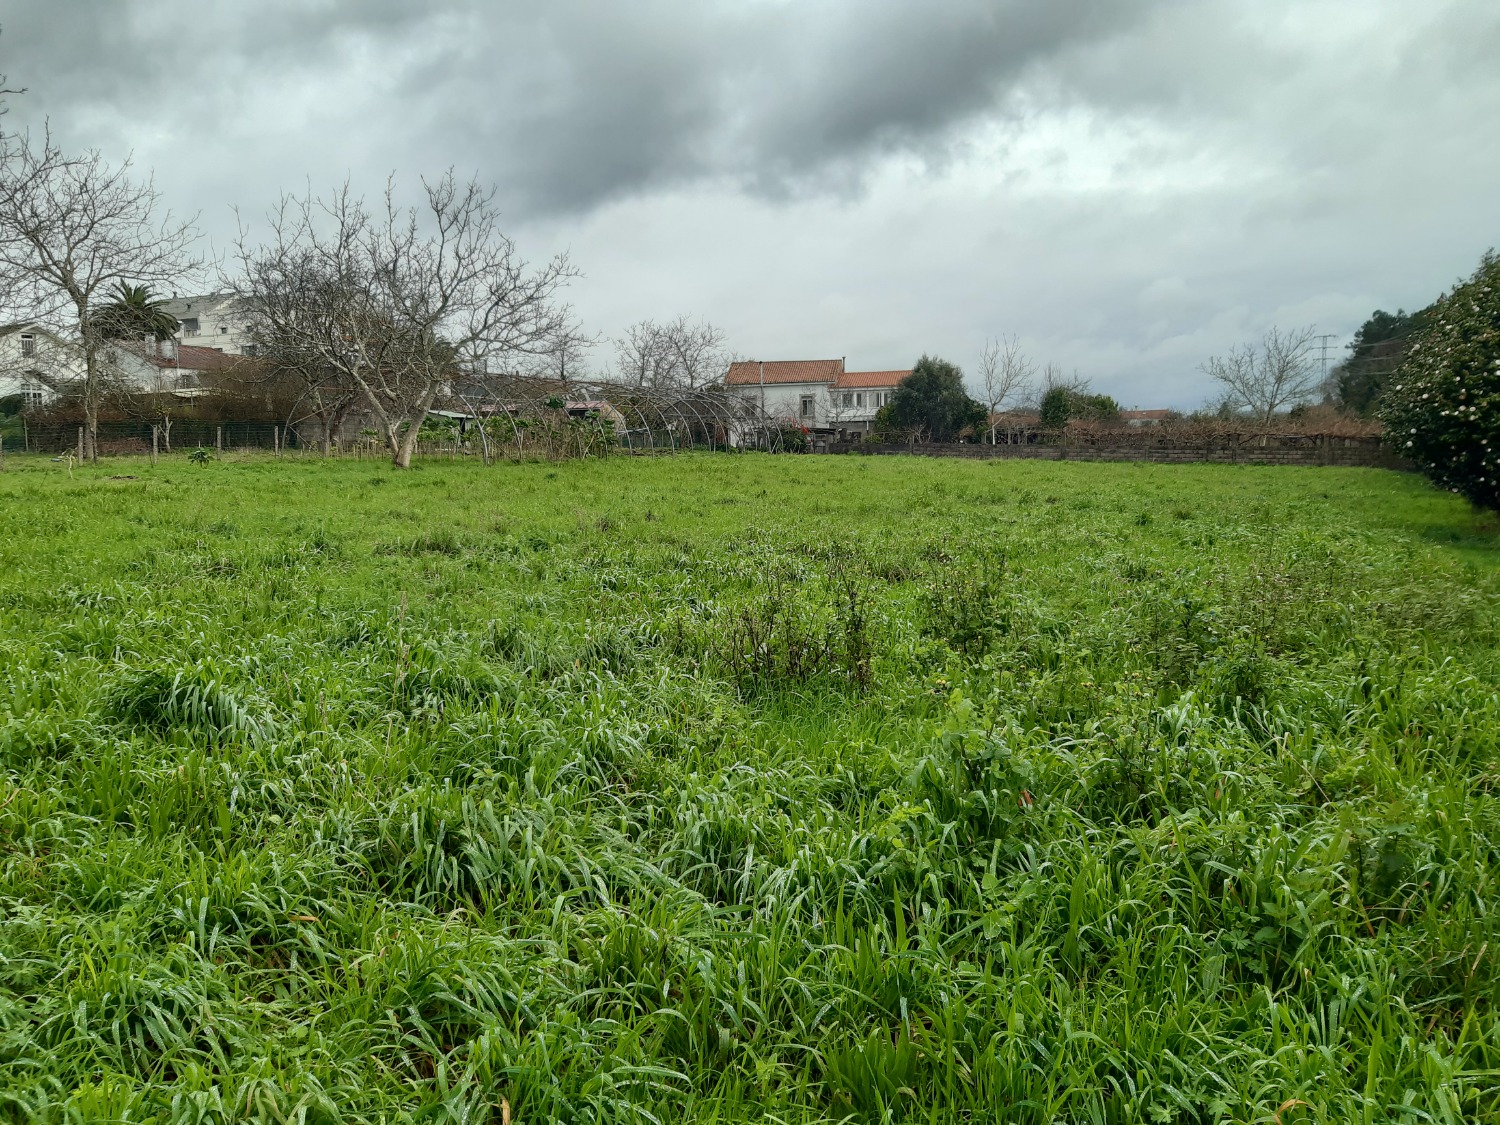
[
  {"x": 1145, "y": 415},
  {"x": 747, "y": 372},
  {"x": 187, "y": 357},
  {"x": 871, "y": 378}
]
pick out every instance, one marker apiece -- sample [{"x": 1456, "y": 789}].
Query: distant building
[
  {"x": 1145, "y": 417},
  {"x": 39, "y": 365},
  {"x": 816, "y": 394},
  {"x": 36, "y": 363},
  {"x": 215, "y": 320},
  {"x": 166, "y": 366}
]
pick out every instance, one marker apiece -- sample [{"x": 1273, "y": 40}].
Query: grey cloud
[
  {"x": 580, "y": 101},
  {"x": 1129, "y": 184}
]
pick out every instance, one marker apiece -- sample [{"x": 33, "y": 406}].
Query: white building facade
[
  {"x": 36, "y": 363},
  {"x": 217, "y": 321},
  {"x": 815, "y": 394}
]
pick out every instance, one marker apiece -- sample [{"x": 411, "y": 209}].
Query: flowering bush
[{"x": 1443, "y": 408}]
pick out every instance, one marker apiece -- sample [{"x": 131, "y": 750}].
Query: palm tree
[{"x": 135, "y": 314}]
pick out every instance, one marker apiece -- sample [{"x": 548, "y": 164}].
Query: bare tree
[
  {"x": 643, "y": 356},
  {"x": 673, "y": 353},
  {"x": 567, "y": 355},
  {"x": 1005, "y": 373},
  {"x": 697, "y": 352},
  {"x": 1266, "y": 378},
  {"x": 400, "y": 301},
  {"x": 72, "y": 228}
]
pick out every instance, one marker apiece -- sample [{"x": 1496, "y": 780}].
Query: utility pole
[
  {"x": 763, "y": 405},
  {"x": 1323, "y": 347}
]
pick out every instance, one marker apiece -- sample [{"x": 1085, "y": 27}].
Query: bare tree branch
[
  {"x": 398, "y": 301},
  {"x": 674, "y": 353},
  {"x": 1005, "y": 373},
  {"x": 72, "y": 227},
  {"x": 1264, "y": 379}
]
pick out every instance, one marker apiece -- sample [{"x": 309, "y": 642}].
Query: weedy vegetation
[{"x": 742, "y": 788}]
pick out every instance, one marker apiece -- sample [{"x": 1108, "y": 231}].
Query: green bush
[
  {"x": 1061, "y": 405},
  {"x": 1443, "y": 410},
  {"x": 932, "y": 398}
]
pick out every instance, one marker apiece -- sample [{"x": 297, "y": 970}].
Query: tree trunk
[
  {"x": 403, "y": 445},
  {"x": 90, "y": 408},
  {"x": 484, "y": 440},
  {"x": 401, "y": 456}
]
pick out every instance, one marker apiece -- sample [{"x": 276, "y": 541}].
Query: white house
[
  {"x": 216, "y": 320},
  {"x": 817, "y": 394},
  {"x": 39, "y": 365},
  {"x": 164, "y": 366},
  {"x": 35, "y": 363}
]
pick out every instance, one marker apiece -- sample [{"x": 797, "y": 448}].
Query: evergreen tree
[
  {"x": 933, "y": 398},
  {"x": 1374, "y": 355}
]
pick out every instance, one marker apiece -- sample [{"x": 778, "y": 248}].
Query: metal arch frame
[{"x": 717, "y": 416}]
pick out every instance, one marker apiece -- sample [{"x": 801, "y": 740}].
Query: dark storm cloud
[
  {"x": 1130, "y": 185},
  {"x": 578, "y": 101}
]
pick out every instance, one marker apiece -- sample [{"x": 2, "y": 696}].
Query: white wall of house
[
  {"x": 149, "y": 367},
  {"x": 211, "y": 321},
  {"x": 34, "y": 363},
  {"x": 856, "y": 405},
  {"x": 819, "y": 406},
  {"x": 804, "y": 404}
]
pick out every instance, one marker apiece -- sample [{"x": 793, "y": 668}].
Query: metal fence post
[
  {"x": 219, "y": 438},
  {"x": 80, "y": 445},
  {"x": 276, "y": 439},
  {"x": 153, "y": 443}
]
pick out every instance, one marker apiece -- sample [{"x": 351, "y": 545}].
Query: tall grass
[{"x": 746, "y": 789}]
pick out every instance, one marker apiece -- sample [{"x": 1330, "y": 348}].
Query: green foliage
[
  {"x": 1374, "y": 355},
  {"x": 1061, "y": 405},
  {"x": 744, "y": 789},
  {"x": 200, "y": 456},
  {"x": 1443, "y": 411},
  {"x": 134, "y": 314},
  {"x": 932, "y": 399}
]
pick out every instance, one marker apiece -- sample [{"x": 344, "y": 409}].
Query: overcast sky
[{"x": 1128, "y": 185}]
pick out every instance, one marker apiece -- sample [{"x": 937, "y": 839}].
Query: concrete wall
[{"x": 1352, "y": 452}]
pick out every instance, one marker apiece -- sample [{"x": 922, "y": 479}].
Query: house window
[
  {"x": 807, "y": 406},
  {"x": 248, "y": 349},
  {"x": 31, "y": 390},
  {"x": 28, "y": 344},
  {"x": 846, "y": 400},
  {"x": 223, "y": 330},
  {"x": 859, "y": 400},
  {"x": 190, "y": 326}
]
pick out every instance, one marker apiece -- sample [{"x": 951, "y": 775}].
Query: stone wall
[{"x": 1349, "y": 452}]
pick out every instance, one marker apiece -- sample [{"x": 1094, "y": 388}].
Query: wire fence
[
  {"x": 142, "y": 437},
  {"x": 499, "y": 442}
]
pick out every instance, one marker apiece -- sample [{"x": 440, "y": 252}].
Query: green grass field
[{"x": 739, "y": 788}]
